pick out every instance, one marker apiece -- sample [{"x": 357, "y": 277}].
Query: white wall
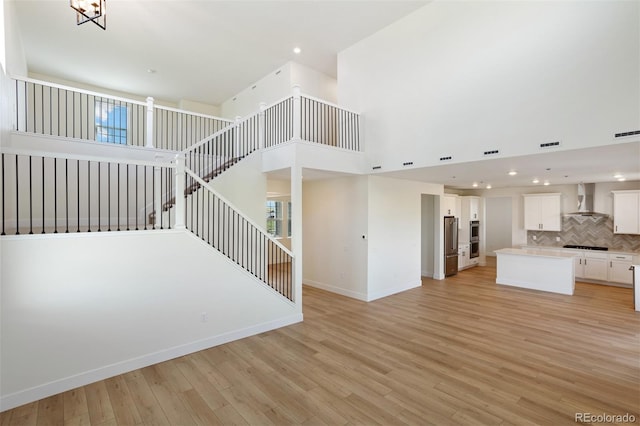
[
  {"x": 314, "y": 83},
  {"x": 245, "y": 186},
  {"x": 394, "y": 235},
  {"x": 278, "y": 85},
  {"x": 335, "y": 219},
  {"x": 71, "y": 317},
  {"x": 458, "y": 78},
  {"x": 498, "y": 217},
  {"x": 270, "y": 88}
]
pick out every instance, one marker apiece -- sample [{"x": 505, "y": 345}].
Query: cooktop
[{"x": 585, "y": 247}]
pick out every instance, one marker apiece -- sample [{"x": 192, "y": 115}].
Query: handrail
[
  {"x": 167, "y": 163},
  {"x": 304, "y": 95},
  {"x": 227, "y": 202},
  {"x": 197, "y": 114},
  {"x": 78, "y": 90},
  {"x": 218, "y": 133},
  {"x": 219, "y": 224}
]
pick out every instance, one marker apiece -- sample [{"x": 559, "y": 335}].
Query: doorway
[{"x": 498, "y": 224}]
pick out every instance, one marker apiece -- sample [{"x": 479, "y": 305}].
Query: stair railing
[{"x": 216, "y": 221}]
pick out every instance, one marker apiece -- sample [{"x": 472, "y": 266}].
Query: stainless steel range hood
[{"x": 585, "y": 201}]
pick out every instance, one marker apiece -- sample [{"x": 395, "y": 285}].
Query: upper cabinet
[
  {"x": 626, "y": 212},
  {"x": 542, "y": 212},
  {"x": 470, "y": 208},
  {"x": 451, "y": 205}
]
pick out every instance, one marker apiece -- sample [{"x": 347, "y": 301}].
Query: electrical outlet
[
  {"x": 534, "y": 238},
  {"x": 558, "y": 239}
]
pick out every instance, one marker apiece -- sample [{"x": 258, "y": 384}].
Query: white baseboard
[
  {"x": 337, "y": 290},
  {"x": 362, "y": 296},
  {"x": 8, "y": 402},
  {"x": 393, "y": 290}
]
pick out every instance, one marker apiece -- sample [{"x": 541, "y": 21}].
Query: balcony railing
[
  {"x": 61, "y": 194},
  {"x": 56, "y": 110},
  {"x": 52, "y": 109}
]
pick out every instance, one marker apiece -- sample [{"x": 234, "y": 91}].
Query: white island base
[{"x": 536, "y": 270}]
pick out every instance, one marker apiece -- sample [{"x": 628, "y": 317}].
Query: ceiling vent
[
  {"x": 550, "y": 144},
  {"x": 446, "y": 158},
  {"x": 408, "y": 163},
  {"x": 627, "y": 134},
  {"x": 492, "y": 152},
  {"x": 376, "y": 167}
]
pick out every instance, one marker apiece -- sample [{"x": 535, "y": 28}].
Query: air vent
[
  {"x": 376, "y": 167},
  {"x": 445, "y": 158},
  {"x": 492, "y": 152},
  {"x": 626, "y": 134},
  {"x": 549, "y": 144},
  {"x": 408, "y": 163}
]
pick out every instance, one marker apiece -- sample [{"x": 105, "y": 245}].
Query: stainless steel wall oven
[{"x": 474, "y": 238}]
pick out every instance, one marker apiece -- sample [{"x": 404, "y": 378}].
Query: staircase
[{"x": 52, "y": 193}]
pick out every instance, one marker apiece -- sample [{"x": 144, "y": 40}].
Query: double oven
[{"x": 474, "y": 238}]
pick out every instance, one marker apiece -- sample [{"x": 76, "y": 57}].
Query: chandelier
[{"x": 91, "y": 10}]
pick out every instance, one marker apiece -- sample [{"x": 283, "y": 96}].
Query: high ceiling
[
  {"x": 204, "y": 51},
  {"x": 208, "y": 51}
]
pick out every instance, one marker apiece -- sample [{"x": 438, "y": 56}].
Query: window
[
  {"x": 111, "y": 122},
  {"x": 274, "y": 218}
]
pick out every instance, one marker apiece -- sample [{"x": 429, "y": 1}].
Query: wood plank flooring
[{"x": 459, "y": 351}]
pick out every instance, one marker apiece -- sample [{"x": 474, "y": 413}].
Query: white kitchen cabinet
[
  {"x": 463, "y": 256},
  {"x": 542, "y": 212},
  {"x": 619, "y": 268},
  {"x": 470, "y": 208},
  {"x": 451, "y": 203},
  {"x": 592, "y": 266},
  {"x": 626, "y": 212}
]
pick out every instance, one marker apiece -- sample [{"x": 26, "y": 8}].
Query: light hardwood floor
[{"x": 458, "y": 351}]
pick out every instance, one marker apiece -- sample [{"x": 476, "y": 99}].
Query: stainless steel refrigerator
[{"x": 450, "y": 246}]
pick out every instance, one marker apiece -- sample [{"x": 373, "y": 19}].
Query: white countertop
[
  {"x": 538, "y": 252},
  {"x": 528, "y": 246}
]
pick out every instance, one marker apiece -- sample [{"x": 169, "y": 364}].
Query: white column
[
  {"x": 261, "y": 126},
  {"x": 297, "y": 112},
  {"x": 149, "y": 141},
  {"x": 296, "y": 233},
  {"x": 157, "y": 197},
  {"x": 180, "y": 187}
]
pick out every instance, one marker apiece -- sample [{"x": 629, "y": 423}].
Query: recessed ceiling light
[
  {"x": 297, "y": 50},
  {"x": 546, "y": 183},
  {"x": 475, "y": 184},
  {"x": 535, "y": 180},
  {"x": 489, "y": 186},
  {"x": 617, "y": 176},
  {"x": 622, "y": 179},
  {"x": 513, "y": 173}
]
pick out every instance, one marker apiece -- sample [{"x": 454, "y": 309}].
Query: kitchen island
[{"x": 544, "y": 270}]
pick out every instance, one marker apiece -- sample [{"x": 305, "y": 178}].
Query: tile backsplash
[{"x": 586, "y": 231}]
